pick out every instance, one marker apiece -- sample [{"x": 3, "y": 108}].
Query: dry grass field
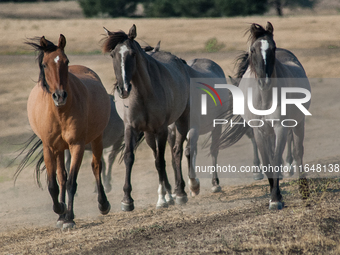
[{"x": 235, "y": 221}]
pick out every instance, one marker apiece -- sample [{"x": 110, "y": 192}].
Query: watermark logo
[{"x": 204, "y": 97}]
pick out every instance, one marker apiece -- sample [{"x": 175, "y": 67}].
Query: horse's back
[
  {"x": 290, "y": 61},
  {"x": 206, "y": 68}
]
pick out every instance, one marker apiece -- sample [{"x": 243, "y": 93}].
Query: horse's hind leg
[
  {"x": 97, "y": 152},
  {"x": 216, "y": 134},
  {"x": 289, "y": 157},
  {"x": 53, "y": 188},
  {"x": 298, "y": 136},
  {"x": 191, "y": 153},
  {"x": 111, "y": 159}
]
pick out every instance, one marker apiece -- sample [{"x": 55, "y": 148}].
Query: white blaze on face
[
  {"x": 56, "y": 59},
  {"x": 264, "y": 48},
  {"x": 122, "y": 51}
]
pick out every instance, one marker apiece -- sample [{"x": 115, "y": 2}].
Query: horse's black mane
[
  {"x": 50, "y": 47},
  {"x": 113, "y": 39}
]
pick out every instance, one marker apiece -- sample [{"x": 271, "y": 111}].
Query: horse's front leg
[
  {"x": 277, "y": 165},
  {"x": 265, "y": 148},
  {"x": 53, "y": 188},
  {"x": 182, "y": 125},
  {"x": 157, "y": 143},
  {"x": 97, "y": 152},
  {"x": 256, "y": 161},
  {"x": 77, "y": 152},
  {"x": 62, "y": 178},
  {"x": 131, "y": 137}
]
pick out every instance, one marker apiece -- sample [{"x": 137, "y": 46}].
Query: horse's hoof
[
  {"x": 105, "y": 211},
  {"x": 216, "y": 189},
  {"x": 127, "y": 207},
  {"x": 69, "y": 225},
  {"x": 258, "y": 176},
  {"x": 289, "y": 173},
  {"x": 194, "y": 187},
  {"x": 60, "y": 223},
  {"x": 163, "y": 204},
  {"x": 107, "y": 188},
  {"x": 276, "y": 205},
  {"x": 181, "y": 200},
  {"x": 169, "y": 199}
]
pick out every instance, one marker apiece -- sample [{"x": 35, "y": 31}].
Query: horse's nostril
[
  {"x": 55, "y": 96},
  {"x": 64, "y": 94}
]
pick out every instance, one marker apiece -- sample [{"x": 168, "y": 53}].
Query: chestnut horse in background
[{"x": 67, "y": 109}]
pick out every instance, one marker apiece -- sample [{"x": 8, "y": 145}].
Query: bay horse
[
  {"x": 67, "y": 109},
  {"x": 265, "y": 69},
  {"x": 113, "y": 137},
  {"x": 152, "y": 93}
]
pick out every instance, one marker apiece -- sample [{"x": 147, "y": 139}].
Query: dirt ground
[{"x": 235, "y": 221}]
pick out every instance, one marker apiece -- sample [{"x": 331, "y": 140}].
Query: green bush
[{"x": 203, "y": 8}]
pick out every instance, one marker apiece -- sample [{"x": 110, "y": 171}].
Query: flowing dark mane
[
  {"x": 113, "y": 39},
  {"x": 242, "y": 63},
  {"x": 50, "y": 47},
  {"x": 256, "y": 31}
]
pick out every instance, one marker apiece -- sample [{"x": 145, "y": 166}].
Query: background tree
[
  {"x": 279, "y": 4},
  {"x": 112, "y": 8}
]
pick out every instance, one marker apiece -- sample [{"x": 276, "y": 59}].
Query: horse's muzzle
[
  {"x": 264, "y": 83},
  {"x": 59, "y": 97},
  {"x": 123, "y": 92}
]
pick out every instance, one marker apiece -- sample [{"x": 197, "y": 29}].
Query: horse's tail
[
  {"x": 233, "y": 132},
  {"x": 29, "y": 149}
]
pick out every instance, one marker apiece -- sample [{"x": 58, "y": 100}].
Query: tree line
[{"x": 183, "y": 8}]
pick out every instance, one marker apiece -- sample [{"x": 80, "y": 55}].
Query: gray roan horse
[
  {"x": 154, "y": 93},
  {"x": 113, "y": 137},
  {"x": 201, "y": 69},
  {"x": 265, "y": 69}
]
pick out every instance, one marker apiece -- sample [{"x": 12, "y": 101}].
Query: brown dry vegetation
[{"x": 235, "y": 221}]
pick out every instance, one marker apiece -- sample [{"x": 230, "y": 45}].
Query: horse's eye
[
  {"x": 252, "y": 49},
  {"x": 43, "y": 65}
]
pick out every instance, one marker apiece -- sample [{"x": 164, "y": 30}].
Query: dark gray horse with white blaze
[
  {"x": 267, "y": 70},
  {"x": 200, "y": 124},
  {"x": 152, "y": 94},
  {"x": 113, "y": 136}
]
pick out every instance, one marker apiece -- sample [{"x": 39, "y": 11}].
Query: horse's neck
[{"x": 141, "y": 80}]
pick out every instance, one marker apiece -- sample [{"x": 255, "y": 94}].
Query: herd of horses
[{"x": 70, "y": 110}]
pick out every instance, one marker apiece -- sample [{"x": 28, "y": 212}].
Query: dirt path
[{"x": 234, "y": 221}]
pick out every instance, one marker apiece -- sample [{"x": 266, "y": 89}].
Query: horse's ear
[
  {"x": 270, "y": 27},
  {"x": 62, "y": 42},
  {"x": 108, "y": 33},
  {"x": 43, "y": 42},
  {"x": 158, "y": 46},
  {"x": 132, "y": 32}
]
